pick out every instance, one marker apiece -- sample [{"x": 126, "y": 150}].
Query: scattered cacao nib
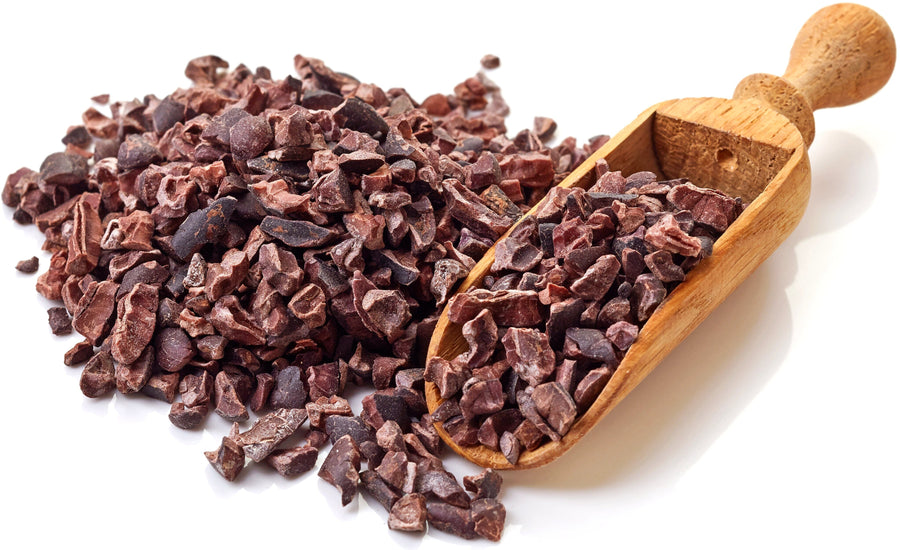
[
  {"x": 511, "y": 446},
  {"x": 544, "y": 127},
  {"x": 556, "y": 406},
  {"x": 354, "y": 426},
  {"x": 269, "y": 431},
  {"x": 486, "y": 484},
  {"x": 489, "y": 517},
  {"x": 512, "y": 308},
  {"x": 341, "y": 468},
  {"x": 137, "y": 151},
  {"x": 228, "y": 459},
  {"x": 99, "y": 376},
  {"x": 64, "y": 169},
  {"x": 131, "y": 378},
  {"x": 490, "y": 61},
  {"x": 591, "y": 386},
  {"x": 408, "y": 513},
  {"x": 528, "y": 352},
  {"x": 451, "y": 519},
  {"x": 135, "y": 323},
  {"x": 447, "y": 376},
  {"x": 289, "y": 391},
  {"x": 249, "y": 137},
  {"x": 362, "y": 117},
  {"x": 60, "y": 322},
  {"x": 31, "y": 265},
  {"x": 162, "y": 386},
  {"x": 442, "y": 485},
  {"x": 297, "y": 233},
  {"x": 376, "y": 487},
  {"x": 229, "y": 404},
  {"x": 294, "y": 461},
  {"x": 482, "y": 397},
  {"x": 187, "y": 418},
  {"x": 79, "y": 353},
  {"x": 174, "y": 349},
  {"x": 323, "y": 407}
]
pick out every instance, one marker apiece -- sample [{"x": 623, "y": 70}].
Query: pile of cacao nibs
[
  {"x": 255, "y": 247},
  {"x": 569, "y": 290}
]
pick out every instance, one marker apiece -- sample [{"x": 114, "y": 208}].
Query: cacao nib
[
  {"x": 79, "y": 353},
  {"x": 30, "y": 265},
  {"x": 451, "y": 519},
  {"x": 294, "y": 461},
  {"x": 228, "y": 459},
  {"x": 512, "y": 308},
  {"x": 99, "y": 376},
  {"x": 489, "y": 517},
  {"x": 408, "y": 513},
  {"x": 341, "y": 468},
  {"x": 60, "y": 322},
  {"x": 269, "y": 431},
  {"x": 203, "y": 226}
]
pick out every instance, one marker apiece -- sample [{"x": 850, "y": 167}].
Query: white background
[{"x": 775, "y": 425}]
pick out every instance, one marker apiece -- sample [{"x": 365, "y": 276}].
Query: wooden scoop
[{"x": 753, "y": 146}]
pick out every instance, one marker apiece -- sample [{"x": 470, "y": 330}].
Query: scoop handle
[{"x": 843, "y": 54}]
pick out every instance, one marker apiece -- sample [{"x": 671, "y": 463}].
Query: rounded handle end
[{"x": 842, "y": 55}]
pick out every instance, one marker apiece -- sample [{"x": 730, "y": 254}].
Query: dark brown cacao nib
[
  {"x": 269, "y": 431},
  {"x": 341, "y": 468},
  {"x": 28, "y": 266},
  {"x": 512, "y": 308},
  {"x": 79, "y": 353},
  {"x": 529, "y": 354},
  {"x": 202, "y": 227},
  {"x": 187, "y": 418},
  {"x": 489, "y": 518},
  {"x": 556, "y": 406},
  {"x": 59, "y": 320},
  {"x": 294, "y": 461},
  {"x": 408, "y": 513},
  {"x": 228, "y": 459},
  {"x": 451, "y": 519},
  {"x": 99, "y": 376}
]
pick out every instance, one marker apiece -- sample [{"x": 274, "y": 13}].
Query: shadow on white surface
[{"x": 844, "y": 183}]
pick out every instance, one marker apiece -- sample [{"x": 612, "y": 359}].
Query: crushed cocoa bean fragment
[
  {"x": 490, "y": 61},
  {"x": 79, "y": 353},
  {"x": 31, "y": 265},
  {"x": 162, "y": 386},
  {"x": 132, "y": 377},
  {"x": 60, "y": 322},
  {"x": 408, "y": 513},
  {"x": 451, "y": 519},
  {"x": 99, "y": 376},
  {"x": 341, "y": 468},
  {"x": 294, "y": 461},
  {"x": 269, "y": 431},
  {"x": 228, "y": 459}
]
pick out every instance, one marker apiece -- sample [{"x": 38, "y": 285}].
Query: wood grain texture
[
  {"x": 748, "y": 147},
  {"x": 842, "y": 55}
]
